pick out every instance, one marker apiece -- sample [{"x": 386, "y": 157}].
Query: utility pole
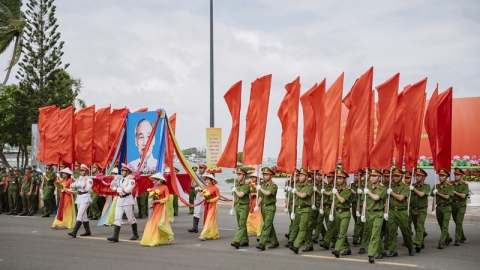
[{"x": 212, "y": 118}]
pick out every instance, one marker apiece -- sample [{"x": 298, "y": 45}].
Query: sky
[{"x": 155, "y": 53}]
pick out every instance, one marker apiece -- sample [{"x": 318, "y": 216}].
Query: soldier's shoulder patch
[{"x": 132, "y": 182}]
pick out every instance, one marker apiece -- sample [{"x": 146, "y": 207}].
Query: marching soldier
[
  {"x": 356, "y": 198},
  {"x": 418, "y": 207},
  {"x": 3, "y": 175},
  {"x": 97, "y": 200},
  {"x": 293, "y": 227},
  {"x": 29, "y": 189},
  {"x": 193, "y": 192},
  {"x": 459, "y": 204},
  {"x": 12, "y": 187},
  {"x": 302, "y": 208},
  {"x": 443, "y": 194},
  {"x": 342, "y": 197},
  {"x": 242, "y": 201},
  {"x": 318, "y": 218},
  {"x": 268, "y": 199},
  {"x": 330, "y": 235},
  {"x": 83, "y": 185},
  {"x": 397, "y": 215},
  {"x": 48, "y": 190},
  {"x": 197, "y": 209},
  {"x": 376, "y": 194}
]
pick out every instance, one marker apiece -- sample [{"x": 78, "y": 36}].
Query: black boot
[
  {"x": 116, "y": 231},
  {"x": 86, "y": 225},
  {"x": 195, "y": 225},
  {"x": 135, "y": 232},
  {"x": 75, "y": 230}
]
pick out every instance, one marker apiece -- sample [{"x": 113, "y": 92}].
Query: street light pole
[{"x": 212, "y": 119}]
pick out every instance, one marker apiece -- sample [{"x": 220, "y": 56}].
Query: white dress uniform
[
  {"x": 125, "y": 202},
  {"x": 83, "y": 184},
  {"x": 198, "y": 209}
]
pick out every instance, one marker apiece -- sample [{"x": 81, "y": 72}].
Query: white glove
[
  {"x": 119, "y": 190},
  {"x": 292, "y": 216},
  {"x": 434, "y": 191},
  {"x": 255, "y": 209},
  {"x": 365, "y": 190},
  {"x": 330, "y": 217},
  {"x": 359, "y": 191},
  {"x": 198, "y": 189},
  {"x": 433, "y": 213},
  {"x": 314, "y": 207},
  {"x": 315, "y": 188},
  {"x": 411, "y": 187},
  {"x": 334, "y": 191},
  {"x": 363, "y": 219},
  {"x": 231, "y": 212},
  {"x": 233, "y": 189},
  {"x": 258, "y": 187},
  {"x": 287, "y": 188},
  {"x": 285, "y": 210},
  {"x": 385, "y": 216},
  {"x": 322, "y": 190},
  {"x": 294, "y": 190},
  {"x": 389, "y": 191},
  {"x": 357, "y": 213},
  {"x": 321, "y": 211}
]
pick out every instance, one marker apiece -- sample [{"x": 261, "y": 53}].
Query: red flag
[
  {"x": 43, "y": 122},
  {"x": 357, "y": 137},
  {"x": 256, "y": 120},
  {"x": 309, "y": 130},
  {"x": 444, "y": 127},
  {"x": 65, "y": 139},
  {"x": 172, "y": 120},
  {"x": 233, "y": 98},
  {"x": 399, "y": 130},
  {"x": 331, "y": 125},
  {"x": 117, "y": 122},
  {"x": 292, "y": 126},
  {"x": 382, "y": 152},
  {"x": 414, "y": 109},
  {"x": 283, "y": 116},
  {"x": 430, "y": 124},
  {"x": 102, "y": 135},
  {"x": 84, "y": 131}
]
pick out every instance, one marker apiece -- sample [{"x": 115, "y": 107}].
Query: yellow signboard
[{"x": 214, "y": 149}]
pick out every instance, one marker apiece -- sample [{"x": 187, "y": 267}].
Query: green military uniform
[
  {"x": 3, "y": 175},
  {"x": 317, "y": 218},
  {"x": 268, "y": 214},
  {"x": 330, "y": 235},
  {"x": 356, "y": 200},
  {"x": 48, "y": 192},
  {"x": 374, "y": 218},
  {"x": 443, "y": 210},
  {"x": 459, "y": 206},
  {"x": 303, "y": 207},
  {"x": 29, "y": 182},
  {"x": 398, "y": 217},
  {"x": 293, "y": 227},
  {"x": 241, "y": 210},
  {"x": 142, "y": 203},
  {"x": 342, "y": 218},
  {"x": 418, "y": 213},
  {"x": 191, "y": 197},
  {"x": 14, "y": 184}
]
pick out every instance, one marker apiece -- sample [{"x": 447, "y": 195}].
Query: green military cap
[
  {"x": 304, "y": 172},
  {"x": 386, "y": 172},
  {"x": 458, "y": 171},
  {"x": 15, "y": 169},
  {"x": 342, "y": 173},
  {"x": 397, "y": 171},
  {"x": 408, "y": 174},
  {"x": 243, "y": 170},
  {"x": 443, "y": 171},
  {"x": 268, "y": 170},
  {"x": 419, "y": 171},
  {"x": 28, "y": 168},
  {"x": 375, "y": 171},
  {"x": 2, "y": 168}
]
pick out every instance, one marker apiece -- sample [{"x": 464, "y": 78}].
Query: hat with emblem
[
  {"x": 304, "y": 172},
  {"x": 125, "y": 167},
  {"x": 84, "y": 167},
  {"x": 61, "y": 164},
  {"x": 96, "y": 166},
  {"x": 458, "y": 171},
  {"x": 330, "y": 174},
  {"x": 397, "y": 171},
  {"x": 375, "y": 171},
  {"x": 242, "y": 170},
  {"x": 386, "y": 172},
  {"x": 28, "y": 168},
  {"x": 408, "y": 174},
  {"x": 443, "y": 171},
  {"x": 420, "y": 171},
  {"x": 268, "y": 170},
  {"x": 77, "y": 163},
  {"x": 342, "y": 173}
]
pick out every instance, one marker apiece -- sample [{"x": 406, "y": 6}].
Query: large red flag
[
  {"x": 331, "y": 125},
  {"x": 283, "y": 116},
  {"x": 65, "y": 139},
  {"x": 102, "y": 135},
  {"x": 117, "y": 122},
  {"x": 357, "y": 136},
  {"x": 414, "y": 108},
  {"x": 444, "y": 127},
  {"x": 292, "y": 126},
  {"x": 172, "y": 120},
  {"x": 233, "y": 98},
  {"x": 382, "y": 152},
  {"x": 43, "y": 121},
  {"x": 84, "y": 132},
  {"x": 317, "y": 98},
  {"x": 430, "y": 124},
  {"x": 308, "y": 129},
  {"x": 256, "y": 121},
  {"x": 399, "y": 130}
]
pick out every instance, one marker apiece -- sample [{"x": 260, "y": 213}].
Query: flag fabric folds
[
  {"x": 399, "y": 130},
  {"x": 430, "y": 124},
  {"x": 48, "y": 131},
  {"x": 84, "y": 134},
  {"x": 444, "y": 130},
  {"x": 292, "y": 126},
  {"x": 102, "y": 135},
  {"x": 117, "y": 122},
  {"x": 309, "y": 130},
  {"x": 65, "y": 138},
  {"x": 233, "y": 98}
]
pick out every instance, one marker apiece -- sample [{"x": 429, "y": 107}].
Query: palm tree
[{"x": 12, "y": 23}]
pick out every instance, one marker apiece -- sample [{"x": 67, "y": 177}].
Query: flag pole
[
  {"x": 364, "y": 207},
  {"x": 292, "y": 215},
  {"x": 321, "y": 200},
  {"x": 330, "y": 217},
  {"x": 410, "y": 192},
  {"x": 389, "y": 187},
  {"x": 314, "y": 180},
  {"x": 258, "y": 183},
  {"x": 233, "y": 199}
]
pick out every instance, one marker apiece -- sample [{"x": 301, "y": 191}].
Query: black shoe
[
  {"x": 381, "y": 256},
  {"x": 333, "y": 244},
  {"x": 23, "y": 214},
  {"x": 260, "y": 246},
  {"x": 371, "y": 259},
  {"x": 411, "y": 252},
  {"x": 258, "y": 240},
  {"x": 46, "y": 215},
  {"x": 274, "y": 246},
  {"x": 403, "y": 244},
  {"x": 423, "y": 246},
  {"x": 425, "y": 235},
  {"x": 346, "y": 253},
  {"x": 244, "y": 244},
  {"x": 15, "y": 214},
  {"x": 236, "y": 245},
  {"x": 463, "y": 240},
  {"x": 289, "y": 244},
  {"x": 307, "y": 249},
  {"x": 176, "y": 214},
  {"x": 190, "y": 213},
  {"x": 355, "y": 242},
  {"x": 294, "y": 249},
  {"x": 325, "y": 246},
  {"x": 440, "y": 246},
  {"x": 457, "y": 243},
  {"x": 361, "y": 251},
  {"x": 287, "y": 235},
  {"x": 417, "y": 249},
  {"x": 30, "y": 215},
  {"x": 448, "y": 241},
  {"x": 392, "y": 254},
  {"x": 9, "y": 214},
  {"x": 315, "y": 240},
  {"x": 336, "y": 253}
]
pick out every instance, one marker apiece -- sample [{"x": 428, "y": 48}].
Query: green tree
[{"x": 12, "y": 24}]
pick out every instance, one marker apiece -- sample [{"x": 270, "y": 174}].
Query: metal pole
[{"x": 212, "y": 119}]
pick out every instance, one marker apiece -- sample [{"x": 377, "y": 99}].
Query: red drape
[
  {"x": 233, "y": 98},
  {"x": 102, "y": 135},
  {"x": 283, "y": 117},
  {"x": 84, "y": 133},
  {"x": 292, "y": 126},
  {"x": 444, "y": 127},
  {"x": 316, "y": 98},
  {"x": 117, "y": 122},
  {"x": 399, "y": 130},
  {"x": 170, "y": 150},
  {"x": 430, "y": 124},
  {"x": 65, "y": 135},
  {"x": 51, "y": 137},
  {"x": 308, "y": 129},
  {"x": 43, "y": 121}
]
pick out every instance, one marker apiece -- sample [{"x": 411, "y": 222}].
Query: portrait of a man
[{"x": 143, "y": 129}]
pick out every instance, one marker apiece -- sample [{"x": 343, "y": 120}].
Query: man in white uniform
[
  {"x": 125, "y": 202},
  {"x": 83, "y": 184},
  {"x": 197, "y": 209}
]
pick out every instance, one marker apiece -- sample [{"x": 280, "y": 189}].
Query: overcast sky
[{"x": 155, "y": 53}]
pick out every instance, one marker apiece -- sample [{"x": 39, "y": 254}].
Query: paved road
[{"x": 29, "y": 243}]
